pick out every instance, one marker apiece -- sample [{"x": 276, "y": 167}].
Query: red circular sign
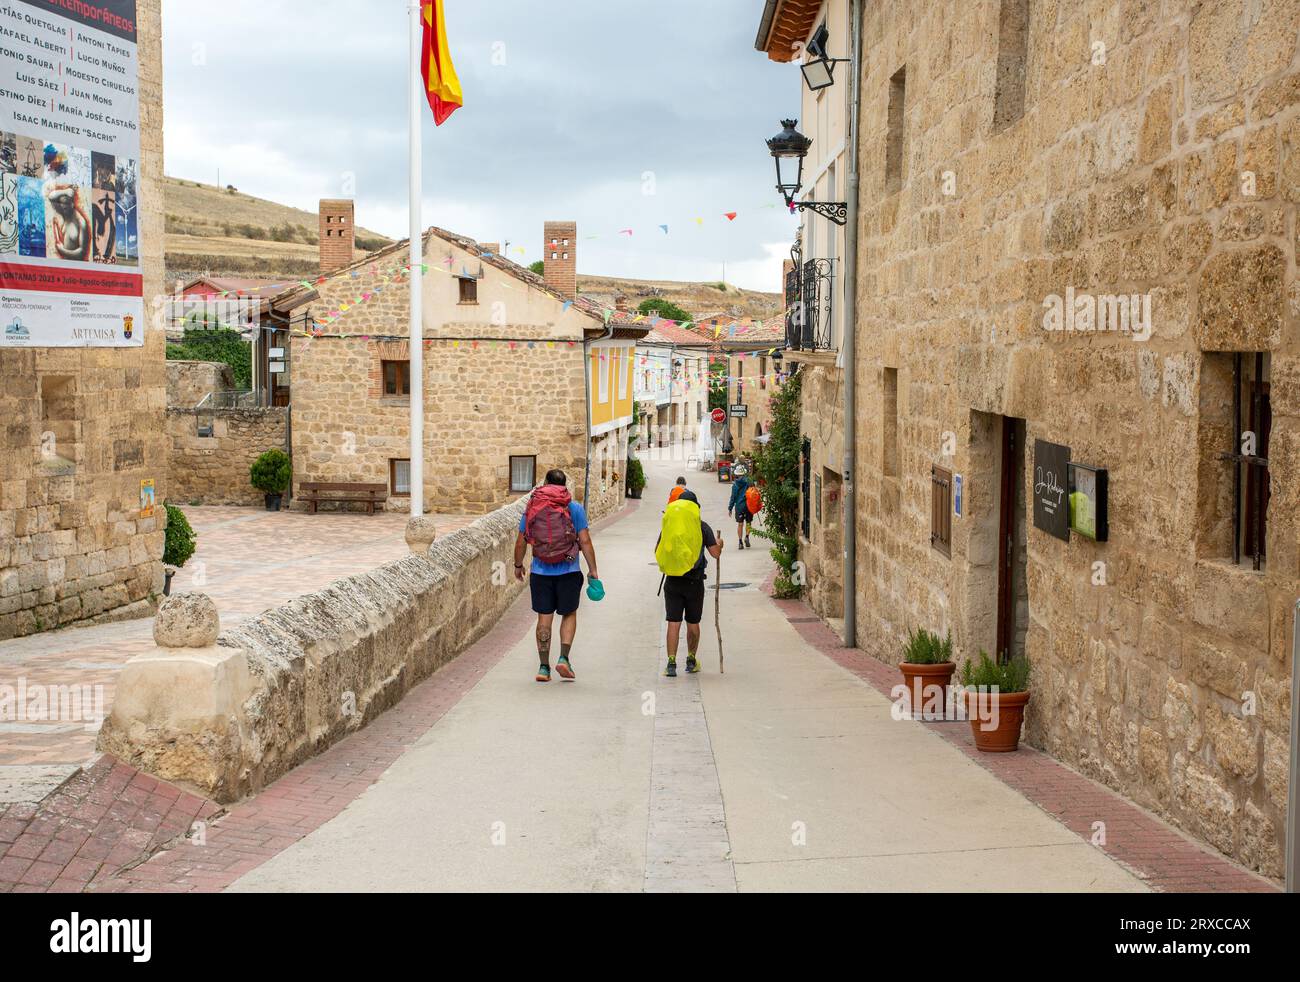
[{"x": 719, "y": 416}]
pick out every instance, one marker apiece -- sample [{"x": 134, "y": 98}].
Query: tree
[
  {"x": 664, "y": 308},
  {"x": 776, "y": 470},
  {"x": 538, "y": 267}
]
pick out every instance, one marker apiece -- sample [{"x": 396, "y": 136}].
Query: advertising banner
[{"x": 69, "y": 175}]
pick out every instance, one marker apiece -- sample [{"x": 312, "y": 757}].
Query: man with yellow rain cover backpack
[{"x": 680, "y": 551}]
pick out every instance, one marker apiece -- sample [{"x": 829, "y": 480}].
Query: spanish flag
[{"x": 440, "y": 79}]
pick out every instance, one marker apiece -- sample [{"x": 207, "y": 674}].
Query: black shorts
[
  {"x": 556, "y": 594},
  {"x": 743, "y": 516},
  {"x": 683, "y": 599}
]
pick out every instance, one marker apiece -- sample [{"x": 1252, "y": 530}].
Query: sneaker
[
  {"x": 564, "y": 668},
  {"x": 671, "y": 670},
  {"x": 747, "y": 543},
  {"x": 740, "y": 543},
  {"x": 692, "y": 666},
  {"x": 544, "y": 673}
]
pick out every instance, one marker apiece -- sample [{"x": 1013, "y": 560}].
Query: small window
[
  {"x": 889, "y": 417},
  {"x": 468, "y": 290},
  {"x": 523, "y": 473},
  {"x": 397, "y": 378},
  {"x": 603, "y": 365},
  {"x": 399, "y": 478},
  {"x": 624, "y": 371},
  {"x": 941, "y": 510},
  {"x": 894, "y": 135}
]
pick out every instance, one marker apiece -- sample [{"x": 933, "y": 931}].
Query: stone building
[
  {"x": 82, "y": 430},
  {"x": 1077, "y": 264},
  {"x": 753, "y": 374},
  {"x": 505, "y": 394}
]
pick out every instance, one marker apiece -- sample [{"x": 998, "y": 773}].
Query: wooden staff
[{"x": 717, "y": 613}]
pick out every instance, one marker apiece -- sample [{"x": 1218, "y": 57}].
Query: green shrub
[
  {"x": 635, "y": 474},
  {"x": 664, "y": 308},
  {"x": 225, "y": 345},
  {"x": 1011, "y": 676},
  {"x": 776, "y": 472},
  {"x": 925, "y": 648},
  {"x": 271, "y": 472},
  {"x": 178, "y": 540},
  {"x": 538, "y": 267}
]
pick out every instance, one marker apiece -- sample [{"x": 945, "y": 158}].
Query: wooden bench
[{"x": 314, "y": 492}]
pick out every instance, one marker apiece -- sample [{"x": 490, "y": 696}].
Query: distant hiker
[
  {"x": 680, "y": 552},
  {"x": 556, "y": 527},
  {"x": 677, "y": 490},
  {"x": 739, "y": 504}
]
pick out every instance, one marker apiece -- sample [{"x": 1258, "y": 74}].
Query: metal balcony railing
[{"x": 810, "y": 312}]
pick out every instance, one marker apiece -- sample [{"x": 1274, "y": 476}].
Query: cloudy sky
[{"x": 614, "y": 113}]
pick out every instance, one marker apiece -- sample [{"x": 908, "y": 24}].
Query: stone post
[
  {"x": 421, "y": 532},
  {"x": 179, "y": 712}
]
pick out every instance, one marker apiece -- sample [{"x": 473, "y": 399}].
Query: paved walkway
[
  {"x": 247, "y": 560},
  {"x": 788, "y": 772}
]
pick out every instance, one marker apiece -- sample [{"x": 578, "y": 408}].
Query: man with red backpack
[{"x": 556, "y": 527}]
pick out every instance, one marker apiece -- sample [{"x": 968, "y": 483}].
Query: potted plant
[
  {"x": 996, "y": 695},
  {"x": 271, "y": 474},
  {"x": 635, "y": 478},
  {"x": 927, "y": 668},
  {"x": 178, "y": 545}
]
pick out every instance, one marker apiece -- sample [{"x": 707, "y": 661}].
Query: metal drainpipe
[
  {"x": 850, "y": 340},
  {"x": 586, "y": 380}
]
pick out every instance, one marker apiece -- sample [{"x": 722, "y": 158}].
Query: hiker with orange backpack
[
  {"x": 555, "y": 526},
  {"x": 745, "y": 502}
]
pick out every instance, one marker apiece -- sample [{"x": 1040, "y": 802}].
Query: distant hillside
[
  {"x": 224, "y": 232},
  {"x": 695, "y": 298}
]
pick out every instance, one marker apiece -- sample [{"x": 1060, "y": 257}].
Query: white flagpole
[{"x": 418, "y": 100}]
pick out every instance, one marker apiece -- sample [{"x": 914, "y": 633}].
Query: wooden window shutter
[{"x": 941, "y": 510}]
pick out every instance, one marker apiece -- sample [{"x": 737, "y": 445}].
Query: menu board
[
  {"x": 1051, "y": 509},
  {"x": 69, "y": 174}
]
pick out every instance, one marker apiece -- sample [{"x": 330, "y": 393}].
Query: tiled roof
[
  {"x": 230, "y": 284},
  {"x": 784, "y": 27},
  {"x": 622, "y": 321}
]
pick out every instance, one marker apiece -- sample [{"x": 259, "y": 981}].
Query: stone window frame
[
  {"x": 468, "y": 287},
  {"x": 392, "y": 477},
  {"x": 379, "y": 352},
  {"x": 514, "y": 488}
]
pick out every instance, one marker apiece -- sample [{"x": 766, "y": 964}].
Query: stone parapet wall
[
  {"x": 188, "y": 382},
  {"x": 230, "y": 718},
  {"x": 214, "y": 470}
]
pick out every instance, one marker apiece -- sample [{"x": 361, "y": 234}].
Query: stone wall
[
  {"x": 213, "y": 470},
  {"x": 821, "y": 422},
  {"x": 1158, "y": 154},
  {"x": 80, "y": 428},
  {"x": 188, "y": 382},
  {"x": 227, "y": 719}
]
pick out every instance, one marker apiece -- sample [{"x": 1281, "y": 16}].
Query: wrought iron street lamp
[{"x": 789, "y": 148}]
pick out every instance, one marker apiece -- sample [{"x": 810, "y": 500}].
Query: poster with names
[{"x": 70, "y": 271}]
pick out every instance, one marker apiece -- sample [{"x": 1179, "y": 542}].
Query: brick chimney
[
  {"x": 337, "y": 234},
  {"x": 560, "y": 257}
]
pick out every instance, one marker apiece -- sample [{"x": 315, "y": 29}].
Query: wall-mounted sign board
[
  {"x": 957, "y": 491},
  {"x": 1089, "y": 487},
  {"x": 277, "y": 368},
  {"x": 740, "y": 410},
  {"x": 1051, "y": 477},
  {"x": 276, "y": 353}
]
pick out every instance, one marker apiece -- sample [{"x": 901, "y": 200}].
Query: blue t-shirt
[{"x": 579, "y": 516}]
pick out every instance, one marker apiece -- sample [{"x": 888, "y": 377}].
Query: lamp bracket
[{"x": 836, "y": 211}]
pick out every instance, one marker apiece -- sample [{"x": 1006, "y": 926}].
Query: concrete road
[{"x": 786, "y": 773}]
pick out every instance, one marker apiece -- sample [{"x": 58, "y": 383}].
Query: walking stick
[{"x": 717, "y": 613}]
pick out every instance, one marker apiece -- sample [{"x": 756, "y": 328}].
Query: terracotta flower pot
[
  {"x": 995, "y": 719},
  {"x": 927, "y": 685}
]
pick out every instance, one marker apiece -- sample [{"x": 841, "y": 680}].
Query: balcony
[{"x": 808, "y": 302}]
